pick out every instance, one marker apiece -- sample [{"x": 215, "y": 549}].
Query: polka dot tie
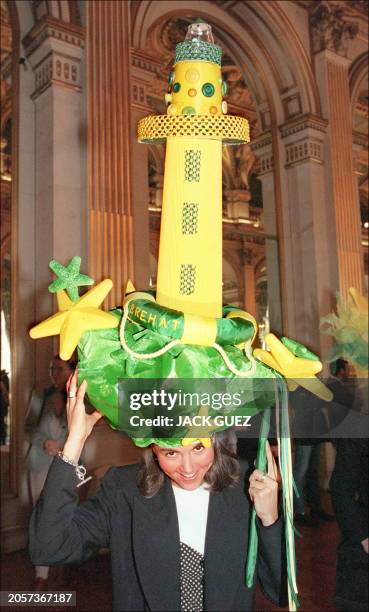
[{"x": 192, "y": 580}]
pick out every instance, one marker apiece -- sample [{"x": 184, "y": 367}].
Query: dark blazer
[
  {"x": 143, "y": 537},
  {"x": 349, "y": 487}
]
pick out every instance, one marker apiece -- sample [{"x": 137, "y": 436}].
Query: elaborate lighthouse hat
[{"x": 181, "y": 333}]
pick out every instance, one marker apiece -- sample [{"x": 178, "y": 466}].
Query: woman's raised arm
[{"x": 61, "y": 530}]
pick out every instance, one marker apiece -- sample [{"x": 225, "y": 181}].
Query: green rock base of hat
[{"x": 105, "y": 365}]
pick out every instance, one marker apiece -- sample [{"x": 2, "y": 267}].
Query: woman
[
  {"x": 46, "y": 430},
  {"x": 177, "y": 526}
]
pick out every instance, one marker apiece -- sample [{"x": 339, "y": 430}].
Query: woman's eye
[
  {"x": 170, "y": 454},
  {"x": 198, "y": 447}
]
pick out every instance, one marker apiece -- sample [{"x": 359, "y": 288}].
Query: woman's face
[
  {"x": 59, "y": 373},
  {"x": 186, "y": 466}
]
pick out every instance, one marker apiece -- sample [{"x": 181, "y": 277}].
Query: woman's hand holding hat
[{"x": 80, "y": 424}]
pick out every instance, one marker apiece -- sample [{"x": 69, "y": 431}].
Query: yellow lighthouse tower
[{"x": 194, "y": 129}]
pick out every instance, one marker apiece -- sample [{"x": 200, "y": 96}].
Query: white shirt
[{"x": 192, "y": 511}]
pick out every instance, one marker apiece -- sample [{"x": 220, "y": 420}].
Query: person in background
[
  {"x": 314, "y": 423},
  {"x": 340, "y": 383},
  {"x": 349, "y": 489},
  {"x": 308, "y": 424},
  {"x": 46, "y": 431}
]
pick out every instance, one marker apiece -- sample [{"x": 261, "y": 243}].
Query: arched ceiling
[
  {"x": 258, "y": 38},
  {"x": 359, "y": 87},
  {"x": 161, "y": 41}
]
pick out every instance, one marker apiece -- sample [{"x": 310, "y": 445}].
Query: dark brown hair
[{"x": 224, "y": 472}]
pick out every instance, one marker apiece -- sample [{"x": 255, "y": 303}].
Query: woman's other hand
[
  {"x": 80, "y": 424},
  {"x": 263, "y": 491}
]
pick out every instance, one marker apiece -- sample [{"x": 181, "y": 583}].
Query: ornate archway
[{"x": 278, "y": 74}]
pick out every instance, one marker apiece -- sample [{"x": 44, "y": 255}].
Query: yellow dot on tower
[{"x": 192, "y": 75}]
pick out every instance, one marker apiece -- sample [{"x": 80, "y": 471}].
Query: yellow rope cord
[
  {"x": 141, "y": 356},
  {"x": 167, "y": 347},
  {"x": 242, "y": 374}
]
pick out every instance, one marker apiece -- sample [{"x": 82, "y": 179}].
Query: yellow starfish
[
  {"x": 74, "y": 318},
  {"x": 296, "y": 370}
]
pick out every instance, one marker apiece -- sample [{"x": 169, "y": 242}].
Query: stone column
[
  {"x": 140, "y": 204},
  {"x": 249, "y": 280},
  {"x": 147, "y": 98},
  {"x": 262, "y": 147},
  {"x": 55, "y": 50},
  {"x": 109, "y": 145},
  {"x": 330, "y": 40},
  {"x": 143, "y": 71},
  {"x": 309, "y": 234}
]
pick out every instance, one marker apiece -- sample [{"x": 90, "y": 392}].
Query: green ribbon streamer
[
  {"x": 285, "y": 467},
  {"x": 252, "y": 552}
]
